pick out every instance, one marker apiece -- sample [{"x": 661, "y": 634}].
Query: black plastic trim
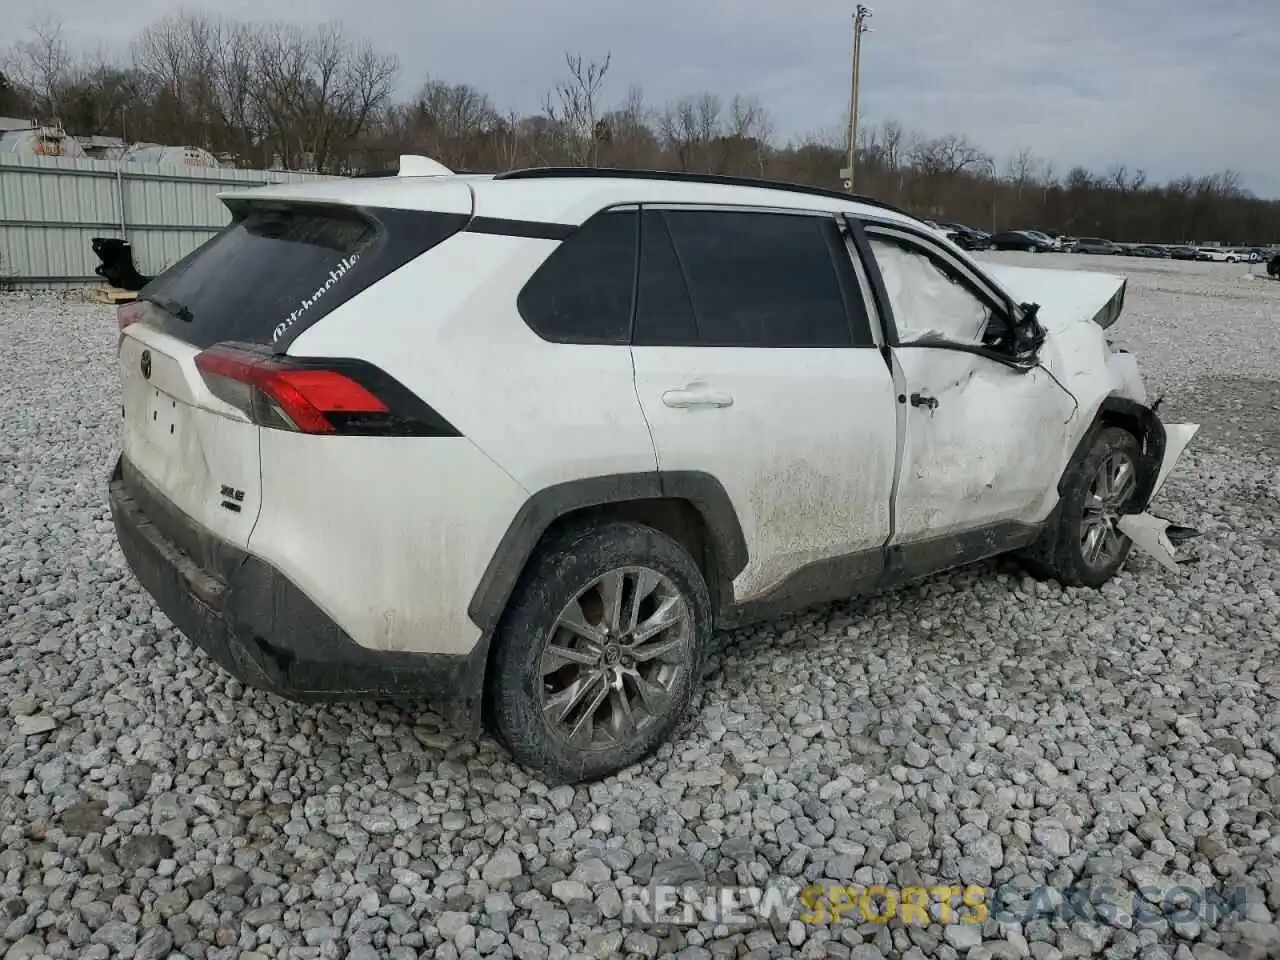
[
  {"x": 879, "y": 293},
  {"x": 1150, "y": 431},
  {"x": 685, "y": 176},
  {"x": 856, "y": 309},
  {"x": 869, "y": 571},
  {"x": 261, "y": 628},
  {"x": 977, "y": 350},
  {"x": 703, "y": 491},
  {"x": 529, "y": 229}
]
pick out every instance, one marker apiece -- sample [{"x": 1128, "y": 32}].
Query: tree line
[{"x": 319, "y": 98}]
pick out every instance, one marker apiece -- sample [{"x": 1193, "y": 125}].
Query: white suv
[{"x": 514, "y": 446}]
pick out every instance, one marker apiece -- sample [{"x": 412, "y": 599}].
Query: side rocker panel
[{"x": 544, "y": 508}]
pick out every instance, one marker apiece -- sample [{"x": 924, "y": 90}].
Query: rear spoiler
[{"x": 411, "y": 165}]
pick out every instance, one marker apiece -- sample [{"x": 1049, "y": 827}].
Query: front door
[{"x": 983, "y": 440}]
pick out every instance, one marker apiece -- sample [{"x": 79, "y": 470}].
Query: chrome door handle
[
  {"x": 917, "y": 400},
  {"x": 696, "y": 395}
]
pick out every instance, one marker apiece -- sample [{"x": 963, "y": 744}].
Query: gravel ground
[{"x": 978, "y": 728}]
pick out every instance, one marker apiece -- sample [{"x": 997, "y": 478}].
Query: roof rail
[{"x": 556, "y": 173}]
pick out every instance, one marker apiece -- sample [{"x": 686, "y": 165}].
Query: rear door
[
  {"x": 754, "y": 361},
  {"x": 275, "y": 270}
]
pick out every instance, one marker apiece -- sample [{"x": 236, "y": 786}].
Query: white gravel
[{"x": 977, "y": 728}]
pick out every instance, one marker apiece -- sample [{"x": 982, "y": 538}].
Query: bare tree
[
  {"x": 630, "y": 137},
  {"x": 451, "y": 122},
  {"x": 746, "y": 139},
  {"x": 318, "y": 91},
  {"x": 43, "y": 64},
  {"x": 689, "y": 127},
  {"x": 948, "y": 155},
  {"x": 573, "y": 107},
  {"x": 319, "y": 97}
]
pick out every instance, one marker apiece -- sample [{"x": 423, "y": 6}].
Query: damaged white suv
[{"x": 514, "y": 446}]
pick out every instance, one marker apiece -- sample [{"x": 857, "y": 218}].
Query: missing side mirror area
[{"x": 1028, "y": 334}]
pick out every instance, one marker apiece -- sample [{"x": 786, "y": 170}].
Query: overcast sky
[{"x": 1170, "y": 86}]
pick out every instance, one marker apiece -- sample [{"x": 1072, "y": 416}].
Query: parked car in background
[
  {"x": 1019, "y": 240},
  {"x": 1273, "y": 266},
  {"x": 1095, "y": 245},
  {"x": 1184, "y": 253},
  {"x": 1054, "y": 244},
  {"x": 1219, "y": 255},
  {"x": 1151, "y": 252},
  {"x": 967, "y": 238}
]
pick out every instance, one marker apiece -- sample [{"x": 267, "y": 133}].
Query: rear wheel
[
  {"x": 600, "y": 651},
  {"x": 1083, "y": 547}
]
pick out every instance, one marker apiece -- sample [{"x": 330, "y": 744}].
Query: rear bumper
[{"x": 261, "y": 628}]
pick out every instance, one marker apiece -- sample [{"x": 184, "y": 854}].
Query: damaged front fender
[{"x": 1151, "y": 534}]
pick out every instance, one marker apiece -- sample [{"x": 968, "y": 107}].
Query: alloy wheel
[
  {"x": 613, "y": 658},
  {"x": 1101, "y": 541}
]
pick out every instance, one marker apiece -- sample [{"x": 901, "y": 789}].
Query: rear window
[{"x": 278, "y": 268}]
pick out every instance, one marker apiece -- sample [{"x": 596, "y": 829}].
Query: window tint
[
  {"x": 583, "y": 292},
  {"x": 277, "y": 269},
  {"x": 927, "y": 300},
  {"x": 742, "y": 279},
  {"x": 664, "y": 312}
]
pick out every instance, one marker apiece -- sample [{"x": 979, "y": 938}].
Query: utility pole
[{"x": 859, "y": 28}]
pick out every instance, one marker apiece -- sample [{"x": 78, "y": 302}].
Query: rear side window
[
  {"x": 278, "y": 268},
  {"x": 745, "y": 279},
  {"x": 582, "y": 293}
]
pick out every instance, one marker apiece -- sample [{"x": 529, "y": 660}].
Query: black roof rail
[
  {"x": 395, "y": 172},
  {"x": 684, "y": 176}
]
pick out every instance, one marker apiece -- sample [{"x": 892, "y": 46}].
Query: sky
[{"x": 1167, "y": 86}]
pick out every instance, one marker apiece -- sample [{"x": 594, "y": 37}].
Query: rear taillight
[{"x": 302, "y": 395}]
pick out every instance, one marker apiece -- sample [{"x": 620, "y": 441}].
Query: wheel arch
[
  {"x": 1139, "y": 420},
  {"x": 690, "y": 506}
]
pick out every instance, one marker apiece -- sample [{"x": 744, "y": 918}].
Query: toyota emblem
[{"x": 146, "y": 364}]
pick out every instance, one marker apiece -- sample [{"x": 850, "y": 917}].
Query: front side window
[{"x": 928, "y": 301}]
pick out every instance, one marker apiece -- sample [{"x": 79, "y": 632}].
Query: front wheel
[
  {"x": 600, "y": 651},
  {"x": 1082, "y": 546}
]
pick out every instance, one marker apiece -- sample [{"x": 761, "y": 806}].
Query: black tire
[
  {"x": 563, "y": 569},
  {"x": 1060, "y": 552}
]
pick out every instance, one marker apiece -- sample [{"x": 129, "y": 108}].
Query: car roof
[{"x": 569, "y": 196}]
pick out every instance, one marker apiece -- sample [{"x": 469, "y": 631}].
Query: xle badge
[
  {"x": 146, "y": 364},
  {"x": 231, "y": 498}
]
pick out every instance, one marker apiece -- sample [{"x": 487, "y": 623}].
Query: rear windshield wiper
[{"x": 179, "y": 310}]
